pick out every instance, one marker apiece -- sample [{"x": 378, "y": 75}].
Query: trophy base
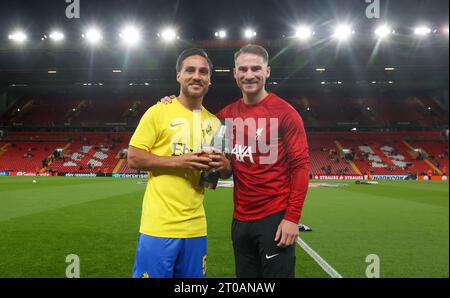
[
  {"x": 210, "y": 185},
  {"x": 209, "y": 180}
]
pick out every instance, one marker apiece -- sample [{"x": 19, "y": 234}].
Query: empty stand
[{"x": 316, "y": 110}]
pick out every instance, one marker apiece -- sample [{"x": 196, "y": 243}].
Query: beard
[
  {"x": 194, "y": 94},
  {"x": 251, "y": 90}
]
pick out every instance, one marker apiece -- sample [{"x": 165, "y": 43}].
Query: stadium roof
[
  {"x": 324, "y": 62},
  {"x": 199, "y": 19}
]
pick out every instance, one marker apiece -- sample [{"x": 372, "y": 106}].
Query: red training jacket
[{"x": 270, "y": 159}]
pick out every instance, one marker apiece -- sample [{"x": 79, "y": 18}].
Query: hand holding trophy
[{"x": 210, "y": 178}]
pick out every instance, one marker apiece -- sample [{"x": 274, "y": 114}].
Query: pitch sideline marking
[{"x": 322, "y": 263}]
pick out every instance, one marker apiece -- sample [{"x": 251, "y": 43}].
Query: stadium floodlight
[
  {"x": 130, "y": 35},
  {"x": 222, "y": 70},
  {"x": 56, "y": 36},
  {"x": 221, "y": 34},
  {"x": 249, "y": 33},
  {"x": 422, "y": 31},
  {"x": 383, "y": 31},
  {"x": 304, "y": 33},
  {"x": 389, "y": 68},
  {"x": 18, "y": 36},
  {"x": 343, "y": 32},
  {"x": 168, "y": 34},
  {"x": 93, "y": 36}
]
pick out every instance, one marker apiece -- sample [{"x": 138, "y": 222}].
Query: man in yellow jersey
[{"x": 172, "y": 239}]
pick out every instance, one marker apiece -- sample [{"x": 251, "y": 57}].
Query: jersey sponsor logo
[
  {"x": 180, "y": 149},
  {"x": 240, "y": 152}
]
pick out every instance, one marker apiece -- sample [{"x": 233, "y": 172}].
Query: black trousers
[{"x": 256, "y": 252}]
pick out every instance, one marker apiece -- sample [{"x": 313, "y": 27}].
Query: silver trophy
[{"x": 210, "y": 178}]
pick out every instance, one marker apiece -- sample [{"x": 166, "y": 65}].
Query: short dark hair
[
  {"x": 253, "y": 49},
  {"x": 192, "y": 52}
]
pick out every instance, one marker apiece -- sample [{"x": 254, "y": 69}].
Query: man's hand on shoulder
[{"x": 167, "y": 99}]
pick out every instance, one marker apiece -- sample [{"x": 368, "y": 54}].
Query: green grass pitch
[{"x": 405, "y": 223}]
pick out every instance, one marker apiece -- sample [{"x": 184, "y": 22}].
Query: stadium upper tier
[
  {"x": 341, "y": 153},
  {"x": 317, "y": 111}
]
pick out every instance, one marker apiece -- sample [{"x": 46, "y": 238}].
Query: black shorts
[{"x": 256, "y": 252}]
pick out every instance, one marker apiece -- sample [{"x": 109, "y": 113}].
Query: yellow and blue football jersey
[{"x": 173, "y": 200}]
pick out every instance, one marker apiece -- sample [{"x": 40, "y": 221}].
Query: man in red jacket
[{"x": 270, "y": 163}]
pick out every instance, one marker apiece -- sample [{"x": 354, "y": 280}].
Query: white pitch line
[{"x": 322, "y": 263}]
